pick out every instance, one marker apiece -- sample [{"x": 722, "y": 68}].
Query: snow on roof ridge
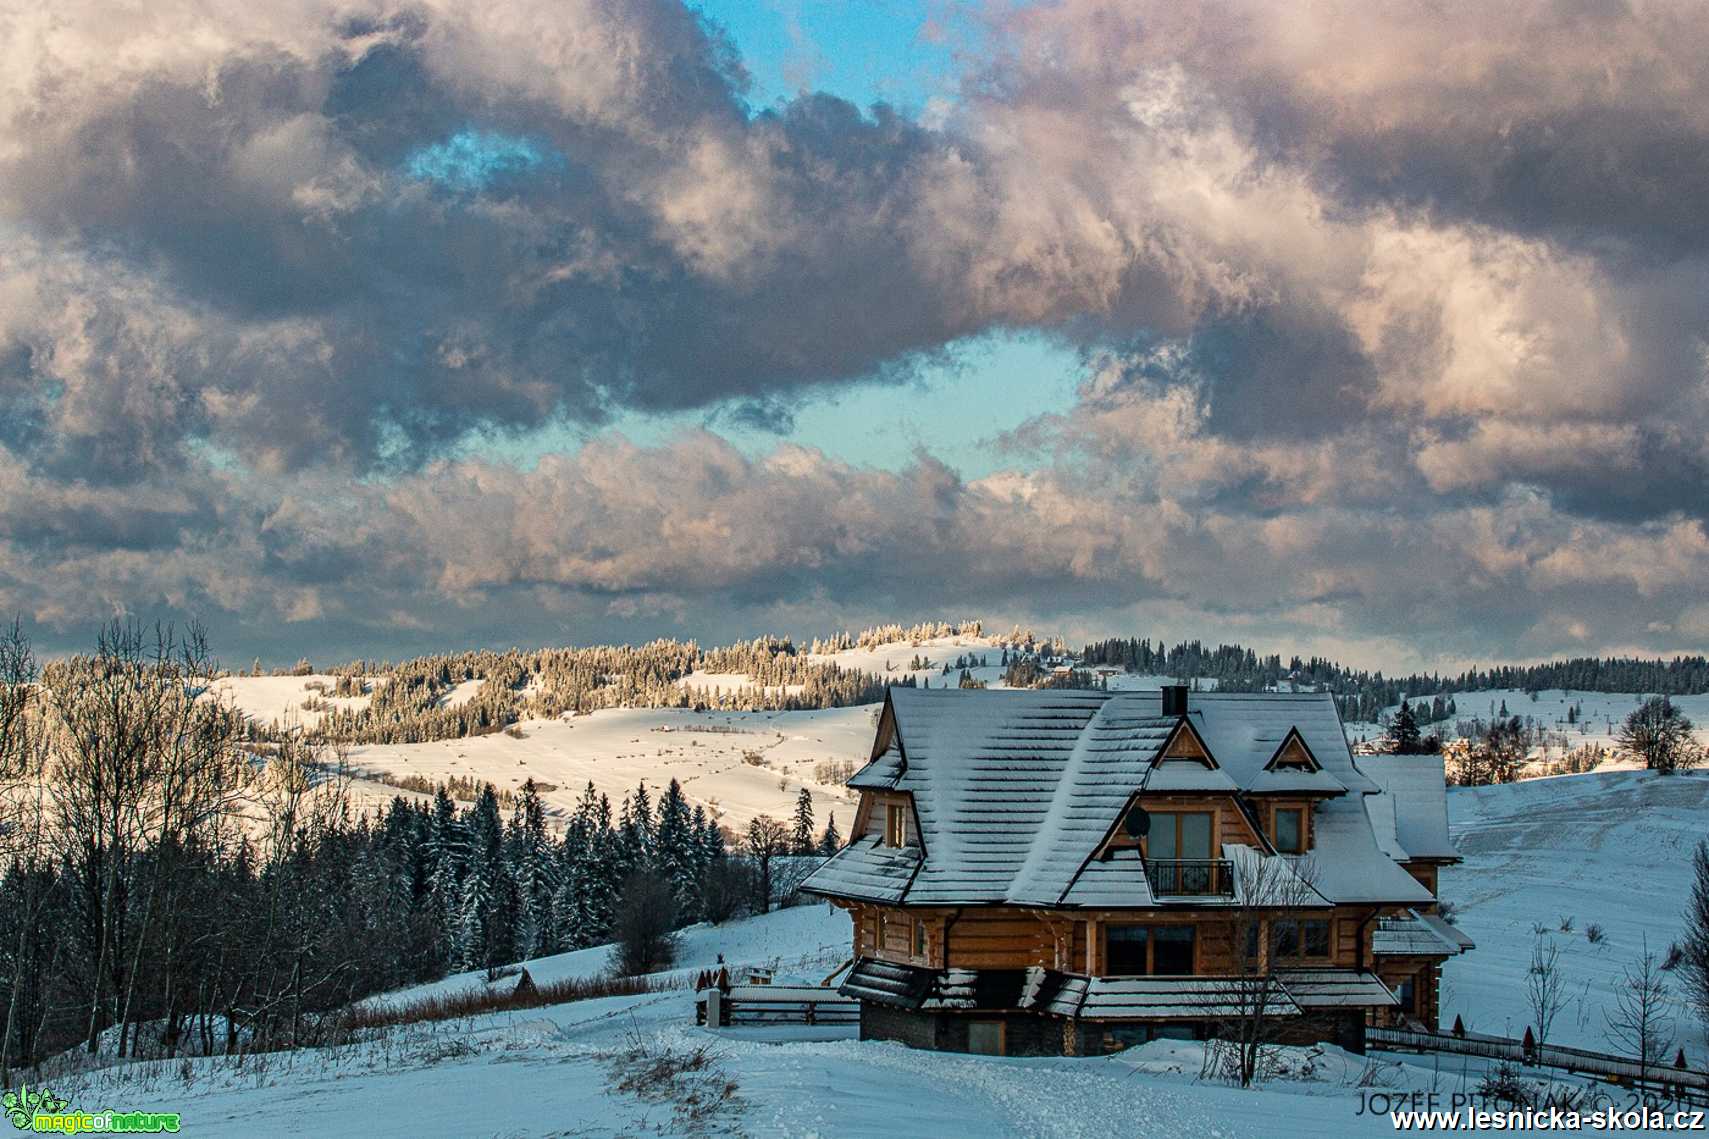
[{"x": 1015, "y": 789}]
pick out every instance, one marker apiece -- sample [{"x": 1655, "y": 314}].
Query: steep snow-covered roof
[
  {"x": 866, "y": 868},
  {"x": 1347, "y": 863},
  {"x": 1417, "y": 786},
  {"x": 1015, "y": 791}
]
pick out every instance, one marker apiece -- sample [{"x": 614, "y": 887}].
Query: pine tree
[
  {"x": 1403, "y": 736},
  {"x": 801, "y": 841},
  {"x": 831, "y": 841}
]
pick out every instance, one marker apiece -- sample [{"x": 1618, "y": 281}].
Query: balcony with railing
[{"x": 1190, "y": 877}]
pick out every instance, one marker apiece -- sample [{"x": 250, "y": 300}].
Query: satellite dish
[{"x": 1138, "y": 822}]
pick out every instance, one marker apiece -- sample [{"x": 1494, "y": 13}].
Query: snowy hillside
[
  {"x": 1607, "y": 849},
  {"x": 559, "y": 1070},
  {"x": 737, "y": 764},
  {"x": 1596, "y": 716}
]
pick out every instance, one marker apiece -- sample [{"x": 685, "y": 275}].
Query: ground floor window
[
  {"x": 1149, "y": 950},
  {"x": 1172, "y": 950},
  {"x": 1127, "y": 950},
  {"x": 985, "y": 1037},
  {"x": 1120, "y": 1036}
]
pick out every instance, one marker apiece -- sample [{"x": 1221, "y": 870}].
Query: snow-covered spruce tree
[
  {"x": 801, "y": 840},
  {"x": 487, "y": 913},
  {"x": 585, "y": 898},
  {"x": 530, "y": 871},
  {"x": 832, "y": 840},
  {"x": 675, "y": 850},
  {"x": 446, "y": 852}
]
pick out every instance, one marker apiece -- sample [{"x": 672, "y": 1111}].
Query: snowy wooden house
[{"x": 1075, "y": 871}]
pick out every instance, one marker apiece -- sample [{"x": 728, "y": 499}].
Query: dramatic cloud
[{"x": 1392, "y": 321}]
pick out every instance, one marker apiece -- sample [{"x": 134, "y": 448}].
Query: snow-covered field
[
  {"x": 281, "y": 699},
  {"x": 1609, "y": 849}
]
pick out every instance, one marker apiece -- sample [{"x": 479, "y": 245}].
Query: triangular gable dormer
[
  {"x": 887, "y": 736},
  {"x": 1294, "y": 754},
  {"x": 1186, "y": 743}
]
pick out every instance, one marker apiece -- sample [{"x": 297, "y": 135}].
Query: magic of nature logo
[{"x": 37, "y": 1109}]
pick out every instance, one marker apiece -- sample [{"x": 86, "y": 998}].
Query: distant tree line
[
  {"x": 412, "y": 702},
  {"x": 1363, "y": 694}
]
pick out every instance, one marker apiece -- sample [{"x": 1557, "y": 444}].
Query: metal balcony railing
[{"x": 1190, "y": 877}]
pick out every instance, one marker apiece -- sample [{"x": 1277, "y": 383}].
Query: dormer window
[
  {"x": 1288, "y": 829},
  {"x": 895, "y": 828}
]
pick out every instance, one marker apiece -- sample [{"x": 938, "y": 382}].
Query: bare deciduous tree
[
  {"x": 144, "y": 758},
  {"x": 1694, "y": 947},
  {"x": 1640, "y": 1021},
  {"x": 1658, "y": 733},
  {"x": 1545, "y": 988},
  {"x": 767, "y": 838},
  {"x": 1273, "y": 898}
]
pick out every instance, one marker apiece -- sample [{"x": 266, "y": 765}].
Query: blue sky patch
[{"x": 471, "y": 160}]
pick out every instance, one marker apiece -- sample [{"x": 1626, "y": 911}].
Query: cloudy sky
[{"x": 369, "y": 327}]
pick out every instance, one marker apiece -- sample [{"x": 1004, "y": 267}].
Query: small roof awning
[
  {"x": 1445, "y": 930},
  {"x": 886, "y": 983},
  {"x": 1335, "y": 988},
  {"x": 1414, "y": 936},
  {"x": 1181, "y": 998}
]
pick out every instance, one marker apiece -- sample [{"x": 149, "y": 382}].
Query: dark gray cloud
[{"x": 1392, "y": 320}]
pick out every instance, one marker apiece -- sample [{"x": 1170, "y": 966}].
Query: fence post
[{"x": 714, "y": 1008}]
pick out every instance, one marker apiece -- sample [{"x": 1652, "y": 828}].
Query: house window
[
  {"x": 1293, "y": 939},
  {"x": 1155, "y": 950},
  {"x": 1179, "y": 834},
  {"x": 985, "y": 1037},
  {"x": 1289, "y": 830},
  {"x": 895, "y": 830},
  {"x": 1172, "y": 950},
  {"x": 919, "y": 938},
  {"x": 1127, "y": 950}
]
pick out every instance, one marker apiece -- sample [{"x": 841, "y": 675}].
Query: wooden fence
[
  {"x": 774, "y": 1004},
  {"x": 1678, "y": 1083}
]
